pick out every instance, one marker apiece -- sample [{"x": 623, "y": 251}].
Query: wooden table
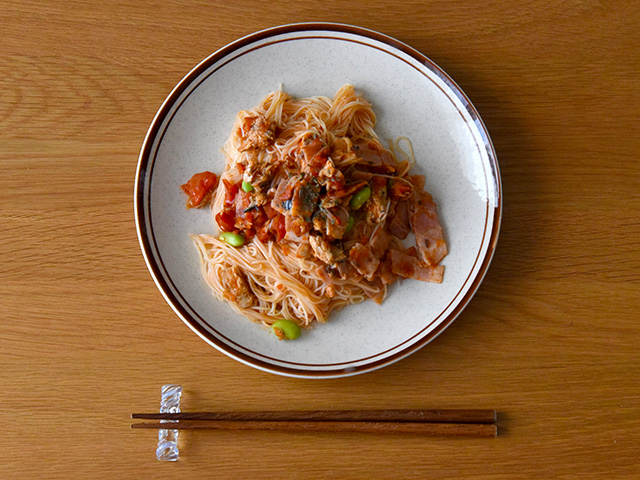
[{"x": 550, "y": 340}]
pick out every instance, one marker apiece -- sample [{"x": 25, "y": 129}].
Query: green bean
[
  {"x": 286, "y": 329},
  {"x": 360, "y": 198},
  {"x": 246, "y": 186},
  {"x": 233, "y": 239}
]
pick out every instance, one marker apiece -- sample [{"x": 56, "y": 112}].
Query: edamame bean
[
  {"x": 360, "y": 198},
  {"x": 233, "y": 239},
  {"x": 286, "y": 329},
  {"x": 350, "y": 224},
  {"x": 246, "y": 186}
]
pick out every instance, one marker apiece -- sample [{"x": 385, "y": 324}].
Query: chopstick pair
[{"x": 459, "y": 423}]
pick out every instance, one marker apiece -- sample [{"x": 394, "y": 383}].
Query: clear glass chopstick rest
[{"x": 168, "y": 439}]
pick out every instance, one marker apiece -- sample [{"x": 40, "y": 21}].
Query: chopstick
[
  {"x": 459, "y": 423},
  {"x": 422, "y": 428},
  {"x": 434, "y": 416}
]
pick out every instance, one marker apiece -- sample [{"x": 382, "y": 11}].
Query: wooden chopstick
[
  {"x": 430, "y": 416},
  {"x": 459, "y": 423},
  {"x": 422, "y": 428}
]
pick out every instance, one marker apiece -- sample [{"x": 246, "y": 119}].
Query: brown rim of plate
[{"x": 164, "y": 282}]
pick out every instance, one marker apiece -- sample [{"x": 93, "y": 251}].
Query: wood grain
[{"x": 550, "y": 340}]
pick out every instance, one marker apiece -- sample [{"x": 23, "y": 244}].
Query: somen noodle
[{"x": 313, "y": 212}]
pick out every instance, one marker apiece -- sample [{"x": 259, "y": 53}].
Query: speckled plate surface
[{"x": 412, "y": 97}]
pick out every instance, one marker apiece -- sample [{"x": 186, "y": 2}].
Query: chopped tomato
[
  {"x": 226, "y": 220},
  {"x": 249, "y": 233},
  {"x": 253, "y": 219},
  {"x": 200, "y": 189},
  {"x": 265, "y": 234},
  {"x": 231, "y": 190},
  {"x": 269, "y": 210},
  {"x": 279, "y": 226}
]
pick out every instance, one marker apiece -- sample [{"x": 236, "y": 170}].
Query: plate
[{"x": 412, "y": 97}]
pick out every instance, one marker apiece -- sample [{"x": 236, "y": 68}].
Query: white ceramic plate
[{"x": 412, "y": 97}]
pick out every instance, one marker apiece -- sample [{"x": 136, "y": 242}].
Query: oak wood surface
[{"x": 550, "y": 340}]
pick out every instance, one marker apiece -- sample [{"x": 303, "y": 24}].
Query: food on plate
[
  {"x": 286, "y": 329},
  {"x": 313, "y": 213}
]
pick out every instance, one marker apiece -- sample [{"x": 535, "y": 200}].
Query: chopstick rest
[
  {"x": 444, "y": 422},
  {"x": 167, "y": 449}
]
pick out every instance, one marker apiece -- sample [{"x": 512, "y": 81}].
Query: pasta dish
[{"x": 313, "y": 213}]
